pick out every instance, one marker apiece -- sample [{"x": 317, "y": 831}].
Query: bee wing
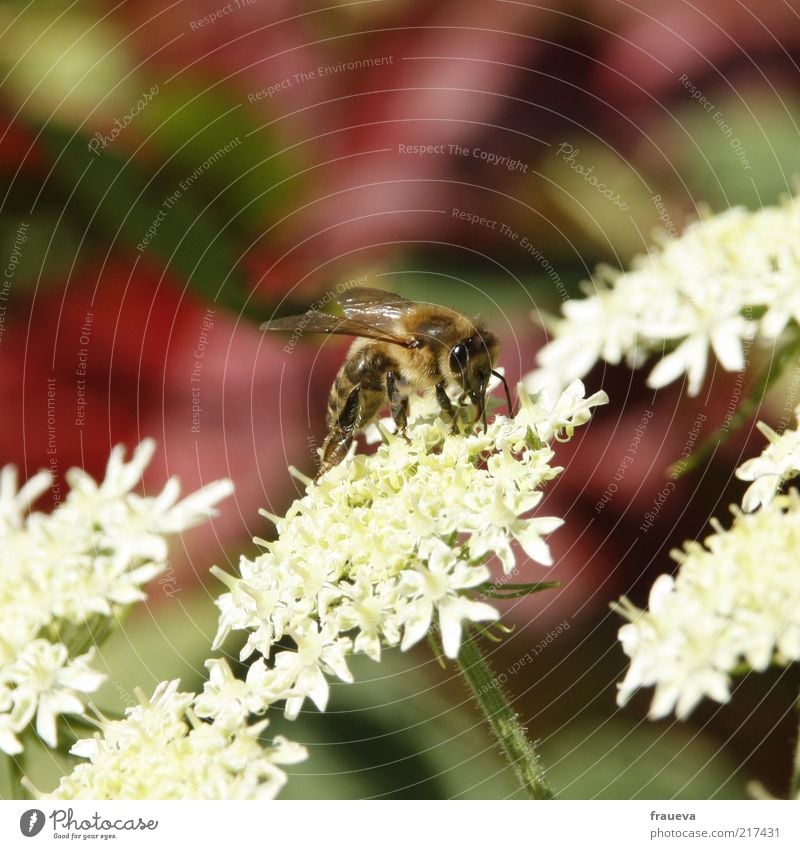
[
  {"x": 375, "y": 307},
  {"x": 315, "y": 321}
]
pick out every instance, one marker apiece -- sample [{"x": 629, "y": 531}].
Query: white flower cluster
[
  {"x": 727, "y": 280},
  {"x": 779, "y": 462},
  {"x": 64, "y": 576},
  {"x": 162, "y": 750},
  {"x": 736, "y": 599},
  {"x": 384, "y": 545}
]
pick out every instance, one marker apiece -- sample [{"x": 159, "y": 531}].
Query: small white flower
[
  {"x": 15, "y": 503},
  {"x": 119, "y": 480},
  {"x": 438, "y": 586},
  {"x": 734, "y": 601},
  {"x": 551, "y": 416},
  {"x": 702, "y": 292},
  {"x": 782, "y": 310},
  {"x": 62, "y": 573},
  {"x": 11, "y": 723},
  {"x": 161, "y": 750},
  {"x": 47, "y": 683},
  {"x": 363, "y": 608},
  {"x": 229, "y": 700},
  {"x": 318, "y": 651},
  {"x": 386, "y": 546},
  {"x": 779, "y": 462},
  {"x": 9, "y": 743},
  {"x": 608, "y": 332}
]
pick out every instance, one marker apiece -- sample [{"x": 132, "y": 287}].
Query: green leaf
[
  {"x": 168, "y": 640},
  {"x": 155, "y": 216},
  {"x": 188, "y": 125},
  {"x": 501, "y": 590},
  {"x": 35, "y": 247},
  {"x": 399, "y": 732},
  {"x": 614, "y": 760}
]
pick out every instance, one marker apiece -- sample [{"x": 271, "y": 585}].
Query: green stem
[
  {"x": 747, "y": 407},
  {"x": 16, "y": 772},
  {"x": 502, "y": 720},
  {"x": 794, "y": 790}
]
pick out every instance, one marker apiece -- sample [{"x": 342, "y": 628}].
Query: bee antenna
[{"x": 508, "y": 392}]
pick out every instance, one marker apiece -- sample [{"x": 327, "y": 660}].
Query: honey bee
[{"x": 402, "y": 346}]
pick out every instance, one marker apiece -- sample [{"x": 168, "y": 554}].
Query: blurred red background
[{"x": 182, "y": 173}]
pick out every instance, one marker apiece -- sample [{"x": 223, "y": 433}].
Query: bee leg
[
  {"x": 398, "y": 404},
  {"x": 341, "y": 434},
  {"x": 444, "y": 402}
]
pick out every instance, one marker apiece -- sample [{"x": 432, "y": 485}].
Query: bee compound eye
[{"x": 459, "y": 356}]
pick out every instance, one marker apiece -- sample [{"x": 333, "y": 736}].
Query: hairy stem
[
  {"x": 794, "y": 790},
  {"x": 503, "y": 721}
]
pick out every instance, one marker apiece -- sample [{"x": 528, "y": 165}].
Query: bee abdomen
[
  {"x": 338, "y": 395},
  {"x": 367, "y": 368}
]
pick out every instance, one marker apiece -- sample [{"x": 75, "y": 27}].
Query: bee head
[{"x": 471, "y": 361}]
